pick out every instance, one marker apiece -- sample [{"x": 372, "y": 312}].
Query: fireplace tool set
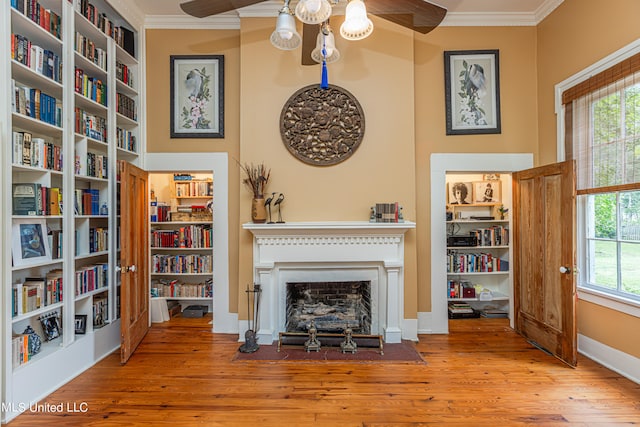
[{"x": 253, "y": 306}]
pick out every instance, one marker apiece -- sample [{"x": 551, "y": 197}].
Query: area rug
[{"x": 404, "y": 352}]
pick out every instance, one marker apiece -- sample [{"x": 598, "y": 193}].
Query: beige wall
[
  {"x": 160, "y": 45},
  {"x": 398, "y": 78},
  {"x": 576, "y": 35}
]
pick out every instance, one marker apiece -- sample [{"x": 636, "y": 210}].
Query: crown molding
[
  {"x": 126, "y": 8},
  {"x": 181, "y": 22}
]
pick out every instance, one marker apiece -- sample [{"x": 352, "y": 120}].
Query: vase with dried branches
[{"x": 256, "y": 179}]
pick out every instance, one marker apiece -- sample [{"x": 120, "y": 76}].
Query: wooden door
[
  {"x": 134, "y": 258},
  {"x": 544, "y": 258}
]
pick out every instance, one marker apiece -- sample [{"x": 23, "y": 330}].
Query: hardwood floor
[{"x": 482, "y": 373}]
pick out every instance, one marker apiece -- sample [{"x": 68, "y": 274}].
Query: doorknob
[
  {"x": 565, "y": 270},
  {"x": 128, "y": 268}
]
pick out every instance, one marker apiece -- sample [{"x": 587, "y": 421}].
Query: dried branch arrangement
[{"x": 257, "y": 177}]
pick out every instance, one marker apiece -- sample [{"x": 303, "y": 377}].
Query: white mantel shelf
[
  {"x": 331, "y": 251},
  {"x": 329, "y": 227}
]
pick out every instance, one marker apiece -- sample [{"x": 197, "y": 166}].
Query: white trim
[
  {"x": 623, "y": 363},
  {"x": 616, "y": 57},
  {"x": 225, "y": 21},
  {"x": 225, "y": 322},
  {"x": 441, "y": 163}
]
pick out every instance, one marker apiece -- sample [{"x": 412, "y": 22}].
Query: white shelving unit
[{"x": 78, "y": 132}]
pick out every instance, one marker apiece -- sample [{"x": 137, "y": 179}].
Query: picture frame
[
  {"x": 487, "y": 192},
  {"x": 81, "y": 324},
  {"x": 197, "y": 96},
  {"x": 51, "y": 326},
  {"x": 460, "y": 193},
  {"x": 30, "y": 244},
  {"x": 472, "y": 92}
]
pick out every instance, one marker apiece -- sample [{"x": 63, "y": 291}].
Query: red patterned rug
[{"x": 404, "y": 352}]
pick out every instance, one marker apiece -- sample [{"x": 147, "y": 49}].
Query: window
[{"x": 603, "y": 134}]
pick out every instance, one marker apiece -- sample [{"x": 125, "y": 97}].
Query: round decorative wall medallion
[{"x": 322, "y": 127}]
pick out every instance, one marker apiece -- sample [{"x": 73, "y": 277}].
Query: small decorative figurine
[{"x": 278, "y": 203}]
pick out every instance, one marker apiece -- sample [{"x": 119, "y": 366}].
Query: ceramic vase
[{"x": 258, "y": 210}]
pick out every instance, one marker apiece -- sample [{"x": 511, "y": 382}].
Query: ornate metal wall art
[{"x": 322, "y": 127}]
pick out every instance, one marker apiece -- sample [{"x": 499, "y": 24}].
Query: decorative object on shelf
[
  {"x": 256, "y": 179},
  {"x": 472, "y": 92},
  {"x": 460, "y": 193},
  {"x": 35, "y": 342},
  {"x": 29, "y": 243},
  {"x": 487, "y": 192},
  {"x": 322, "y": 127},
  {"x": 253, "y": 305},
  {"x": 81, "y": 324},
  {"x": 278, "y": 203},
  {"x": 51, "y": 326},
  {"x": 502, "y": 211},
  {"x": 197, "y": 96},
  {"x": 267, "y": 203}
]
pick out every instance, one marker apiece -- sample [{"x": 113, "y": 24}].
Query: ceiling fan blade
[
  {"x": 418, "y": 15},
  {"x": 309, "y": 36},
  {"x": 204, "y": 8}
]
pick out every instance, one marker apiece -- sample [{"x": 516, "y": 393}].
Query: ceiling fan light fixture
[
  {"x": 313, "y": 11},
  {"x": 285, "y": 36},
  {"x": 328, "y": 43},
  {"x": 356, "y": 25}
]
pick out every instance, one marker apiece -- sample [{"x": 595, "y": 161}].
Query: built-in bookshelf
[
  {"x": 478, "y": 249},
  {"x": 62, "y": 136}
]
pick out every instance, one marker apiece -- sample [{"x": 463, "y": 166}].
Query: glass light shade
[
  {"x": 356, "y": 25},
  {"x": 285, "y": 36},
  {"x": 313, "y": 11},
  {"x": 330, "y": 47}
]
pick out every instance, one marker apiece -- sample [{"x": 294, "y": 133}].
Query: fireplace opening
[{"x": 331, "y": 305}]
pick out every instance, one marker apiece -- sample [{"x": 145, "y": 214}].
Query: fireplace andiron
[
  {"x": 253, "y": 305},
  {"x": 312, "y": 343},
  {"x": 348, "y": 345}
]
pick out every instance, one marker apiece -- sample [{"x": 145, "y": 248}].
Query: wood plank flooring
[{"x": 481, "y": 374}]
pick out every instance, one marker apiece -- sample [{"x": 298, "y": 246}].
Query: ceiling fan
[{"x": 418, "y": 15}]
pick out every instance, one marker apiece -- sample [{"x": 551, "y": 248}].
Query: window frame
[{"x": 594, "y": 295}]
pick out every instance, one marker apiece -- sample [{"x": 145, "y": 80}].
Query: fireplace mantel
[{"x": 288, "y": 251}]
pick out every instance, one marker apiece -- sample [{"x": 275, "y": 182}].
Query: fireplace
[
  {"x": 332, "y": 306},
  {"x": 330, "y": 253}
]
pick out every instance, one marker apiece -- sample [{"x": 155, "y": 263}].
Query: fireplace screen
[{"x": 332, "y": 305}]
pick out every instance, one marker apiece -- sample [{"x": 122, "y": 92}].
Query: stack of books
[{"x": 458, "y": 310}]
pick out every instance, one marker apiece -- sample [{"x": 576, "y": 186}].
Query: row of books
[
  {"x": 30, "y": 198},
  {"x": 90, "y": 125},
  {"x": 465, "y": 262},
  {"x": 192, "y": 236},
  {"x": 126, "y": 140},
  {"x": 91, "y": 277},
  {"x": 36, "y": 292},
  {"x": 126, "y": 106},
  {"x": 87, "y": 201},
  {"x": 496, "y": 235},
  {"x": 42, "y": 61},
  {"x": 124, "y": 74},
  {"x": 461, "y": 289},
  {"x": 35, "y": 152},
  {"x": 194, "y": 189},
  {"x": 21, "y": 347},
  {"x": 90, "y": 87},
  {"x": 122, "y": 36},
  {"x": 54, "y": 238},
  {"x": 97, "y": 166},
  {"x": 98, "y": 239},
  {"x": 47, "y": 19},
  {"x": 193, "y": 263},
  {"x": 386, "y": 212},
  {"x": 100, "y": 311},
  {"x": 87, "y": 48},
  {"x": 36, "y": 104},
  {"x": 178, "y": 289}
]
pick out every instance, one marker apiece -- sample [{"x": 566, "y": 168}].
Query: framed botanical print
[{"x": 197, "y": 96}]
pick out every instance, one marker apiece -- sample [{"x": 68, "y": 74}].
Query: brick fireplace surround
[{"x": 331, "y": 252}]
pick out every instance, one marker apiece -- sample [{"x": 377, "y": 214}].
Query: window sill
[{"x": 620, "y": 304}]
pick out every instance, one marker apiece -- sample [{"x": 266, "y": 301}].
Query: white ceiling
[{"x": 460, "y": 12}]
